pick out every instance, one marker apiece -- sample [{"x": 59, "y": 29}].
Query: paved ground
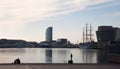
[{"x": 60, "y": 66}]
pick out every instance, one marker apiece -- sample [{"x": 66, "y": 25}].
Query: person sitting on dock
[{"x": 17, "y": 61}]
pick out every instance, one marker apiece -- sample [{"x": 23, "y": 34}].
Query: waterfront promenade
[{"x": 59, "y": 66}]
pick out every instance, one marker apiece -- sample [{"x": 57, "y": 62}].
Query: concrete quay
[
  {"x": 114, "y": 58},
  {"x": 59, "y": 66}
]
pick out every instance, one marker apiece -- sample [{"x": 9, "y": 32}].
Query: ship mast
[
  {"x": 83, "y": 36},
  {"x": 91, "y": 33},
  {"x": 87, "y": 34}
]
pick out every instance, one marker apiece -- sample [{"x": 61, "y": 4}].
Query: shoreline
[
  {"x": 59, "y": 66},
  {"x": 40, "y": 47}
]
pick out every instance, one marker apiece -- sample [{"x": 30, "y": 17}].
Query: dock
[{"x": 59, "y": 66}]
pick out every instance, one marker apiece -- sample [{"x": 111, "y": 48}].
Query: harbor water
[{"x": 48, "y": 55}]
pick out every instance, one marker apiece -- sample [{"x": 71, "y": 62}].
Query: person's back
[{"x": 17, "y": 61}]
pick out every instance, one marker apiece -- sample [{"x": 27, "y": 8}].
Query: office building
[
  {"x": 107, "y": 34},
  {"x": 62, "y": 41},
  {"x": 49, "y": 34}
]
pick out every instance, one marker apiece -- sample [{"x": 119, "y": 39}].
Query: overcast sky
[{"x": 28, "y": 19}]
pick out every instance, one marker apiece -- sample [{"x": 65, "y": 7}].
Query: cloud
[
  {"x": 110, "y": 4},
  {"x": 114, "y": 14},
  {"x": 15, "y": 13}
]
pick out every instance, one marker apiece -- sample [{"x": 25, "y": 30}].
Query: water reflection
[
  {"x": 12, "y": 50},
  {"x": 102, "y": 56},
  {"x": 89, "y": 56},
  {"x": 60, "y": 56},
  {"x": 45, "y": 55},
  {"x": 48, "y": 53}
]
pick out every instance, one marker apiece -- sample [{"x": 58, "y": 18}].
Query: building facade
[
  {"x": 49, "y": 34},
  {"x": 118, "y": 35},
  {"x": 107, "y": 34},
  {"x": 62, "y": 41}
]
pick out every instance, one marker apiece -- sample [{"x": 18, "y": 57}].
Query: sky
[{"x": 29, "y": 19}]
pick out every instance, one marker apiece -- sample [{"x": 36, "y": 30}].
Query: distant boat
[
  {"x": 88, "y": 45},
  {"x": 88, "y": 42}
]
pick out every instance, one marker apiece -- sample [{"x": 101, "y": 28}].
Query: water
[{"x": 48, "y": 55}]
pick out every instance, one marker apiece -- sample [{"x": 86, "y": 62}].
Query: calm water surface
[{"x": 47, "y": 55}]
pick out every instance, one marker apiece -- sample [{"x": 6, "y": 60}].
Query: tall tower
[{"x": 49, "y": 34}]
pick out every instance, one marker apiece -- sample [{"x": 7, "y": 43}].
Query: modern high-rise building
[
  {"x": 49, "y": 34},
  {"x": 107, "y": 34}
]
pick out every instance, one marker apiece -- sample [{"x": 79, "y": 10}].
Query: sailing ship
[{"x": 88, "y": 41}]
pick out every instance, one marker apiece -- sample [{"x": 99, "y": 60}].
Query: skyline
[{"x": 29, "y": 19}]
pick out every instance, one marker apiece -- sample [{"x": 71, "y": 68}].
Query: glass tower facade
[{"x": 49, "y": 34}]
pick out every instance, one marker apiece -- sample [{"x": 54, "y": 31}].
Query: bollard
[{"x": 70, "y": 61}]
